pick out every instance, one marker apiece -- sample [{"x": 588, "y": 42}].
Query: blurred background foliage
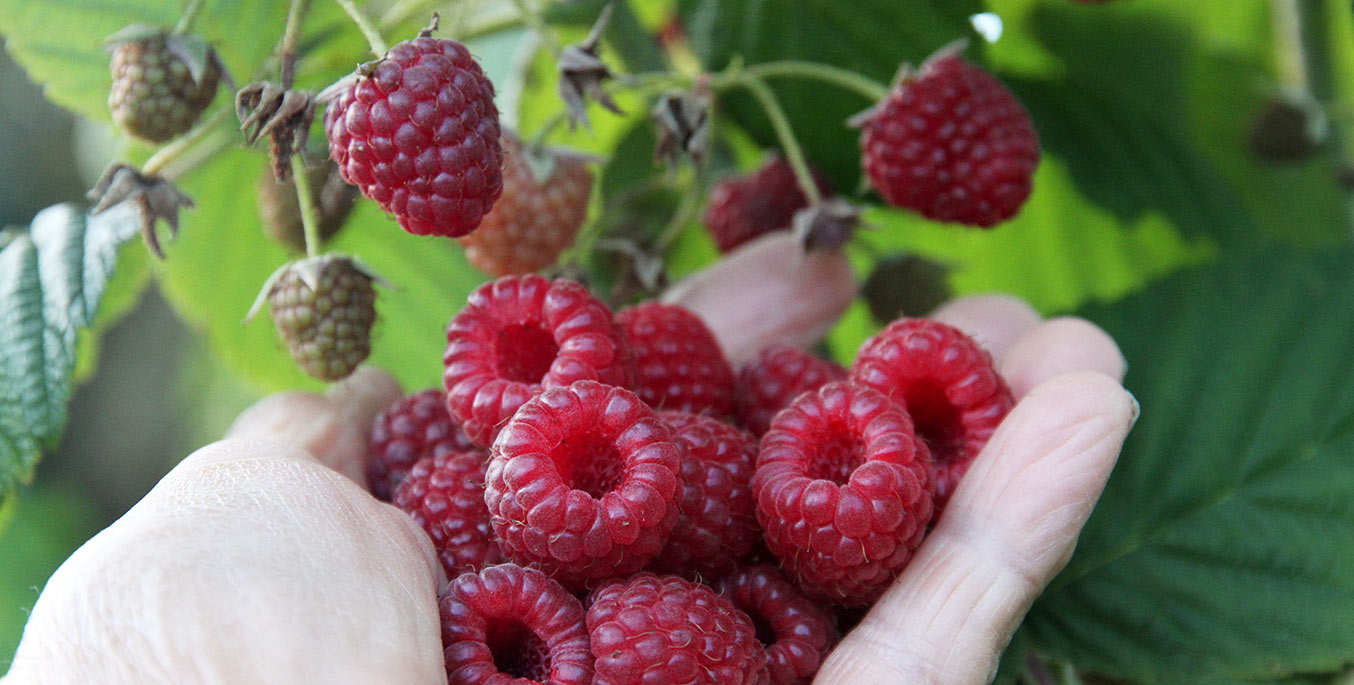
[{"x": 1218, "y": 553}]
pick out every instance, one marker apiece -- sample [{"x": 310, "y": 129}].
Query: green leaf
[
  {"x": 1220, "y": 548},
  {"x": 1056, "y": 254},
  {"x": 48, "y": 523},
  {"x": 1144, "y": 71},
  {"x": 52, "y": 278},
  {"x": 221, "y": 260},
  {"x": 61, "y": 42}
]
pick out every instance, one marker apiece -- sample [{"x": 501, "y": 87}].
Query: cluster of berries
[{"x": 615, "y": 504}]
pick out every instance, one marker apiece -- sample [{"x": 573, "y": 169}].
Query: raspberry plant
[{"x": 1222, "y": 272}]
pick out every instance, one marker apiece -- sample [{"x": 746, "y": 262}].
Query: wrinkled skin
[{"x": 262, "y": 558}]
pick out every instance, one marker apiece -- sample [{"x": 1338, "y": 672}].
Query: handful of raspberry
[{"x": 662, "y": 519}]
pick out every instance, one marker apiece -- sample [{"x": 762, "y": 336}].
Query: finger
[
  {"x": 768, "y": 291},
  {"x": 249, "y": 562},
  {"x": 996, "y": 322},
  {"x": 1059, "y": 346},
  {"x": 334, "y": 427},
  {"x": 1008, "y": 529}
]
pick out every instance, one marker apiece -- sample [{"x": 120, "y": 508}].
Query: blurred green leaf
[
  {"x": 1056, "y": 254},
  {"x": 1143, "y": 71},
  {"x": 221, "y": 260},
  {"x": 1220, "y": 547},
  {"x": 52, "y": 278},
  {"x": 61, "y": 42},
  {"x": 49, "y": 522},
  {"x": 636, "y": 48}
]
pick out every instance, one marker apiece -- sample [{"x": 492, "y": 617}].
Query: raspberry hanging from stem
[{"x": 369, "y": 31}]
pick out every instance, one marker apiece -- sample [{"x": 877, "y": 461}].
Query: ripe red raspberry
[
  {"x": 716, "y": 525},
  {"x": 952, "y": 143},
  {"x": 537, "y": 216},
  {"x": 797, "y": 631},
  {"x": 948, "y": 384},
  {"x": 582, "y": 483},
  {"x": 664, "y": 629},
  {"x": 744, "y": 207},
  {"x": 519, "y": 335},
  {"x": 843, "y": 491},
  {"x": 418, "y": 133},
  {"x": 508, "y": 624},
  {"x": 445, "y": 495},
  {"x": 678, "y": 364},
  {"x": 412, "y": 428},
  {"x": 778, "y": 375}
]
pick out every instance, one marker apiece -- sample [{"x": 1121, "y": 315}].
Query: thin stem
[
  {"x": 310, "y": 216},
  {"x": 167, "y": 154},
  {"x": 289, "y": 39},
  {"x": 554, "y": 122},
  {"x": 1314, "y": 47},
  {"x": 537, "y": 25},
  {"x": 794, "y": 154},
  {"x": 378, "y": 44},
  {"x": 189, "y": 14},
  {"x": 219, "y": 140},
  {"x": 867, "y": 88},
  {"x": 691, "y": 201},
  {"x": 1288, "y": 43}
]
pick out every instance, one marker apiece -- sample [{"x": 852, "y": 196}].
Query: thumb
[{"x": 332, "y": 427}]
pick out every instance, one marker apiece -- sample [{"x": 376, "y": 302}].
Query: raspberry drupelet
[
  {"x": 716, "y": 525},
  {"x": 665, "y": 629},
  {"x": 414, "y": 427},
  {"x": 582, "y": 483},
  {"x": 949, "y": 385},
  {"x": 796, "y": 631},
  {"x": 512, "y": 625},
  {"x": 418, "y": 133},
  {"x": 678, "y": 363},
  {"x": 519, "y": 335},
  {"x": 778, "y": 375},
  {"x": 843, "y": 492},
  {"x": 951, "y": 143},
  {"x": 445, "y": 495}
]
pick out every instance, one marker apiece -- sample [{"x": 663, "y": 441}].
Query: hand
[
  {"x": 257, "y": 560},
  {"x": 1013, "y": 521}
]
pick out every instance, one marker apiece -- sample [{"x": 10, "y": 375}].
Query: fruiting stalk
[
  {"x": 794, "y": 154},
  {"x": 310, "y": 222},
  {"x": 533, "y": 19},
  {"x": 189, "y": 14},
  {"x": 177, "y": 149},
  {"x": 866, "y": 87},
  {"x": 374, "y": 40},
  {"x": 289, "y": 38}
]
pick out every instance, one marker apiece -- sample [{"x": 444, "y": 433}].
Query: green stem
[
  {"x": 189, "y": 14},
  {"x": 289, "y": 39},
  {"x": 537, "y": 25},
  {"x": 554, "y": 122},
  {"x": 794, "y": 154},
  {"x": 173, "y": 151},
  {"x": 1315, "y": 49},
  {"x": 310, "y": 221},
  {"x": 378, "y": 44},
  {"x": 1314, "y": 45},
  {"x": 867, "y": 88},
  {"x": 686, "y": 209}
]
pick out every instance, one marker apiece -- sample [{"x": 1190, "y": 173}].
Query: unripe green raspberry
[
  {"x": 324, "y": 308},
  {"x": 155, "y": 96}
]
